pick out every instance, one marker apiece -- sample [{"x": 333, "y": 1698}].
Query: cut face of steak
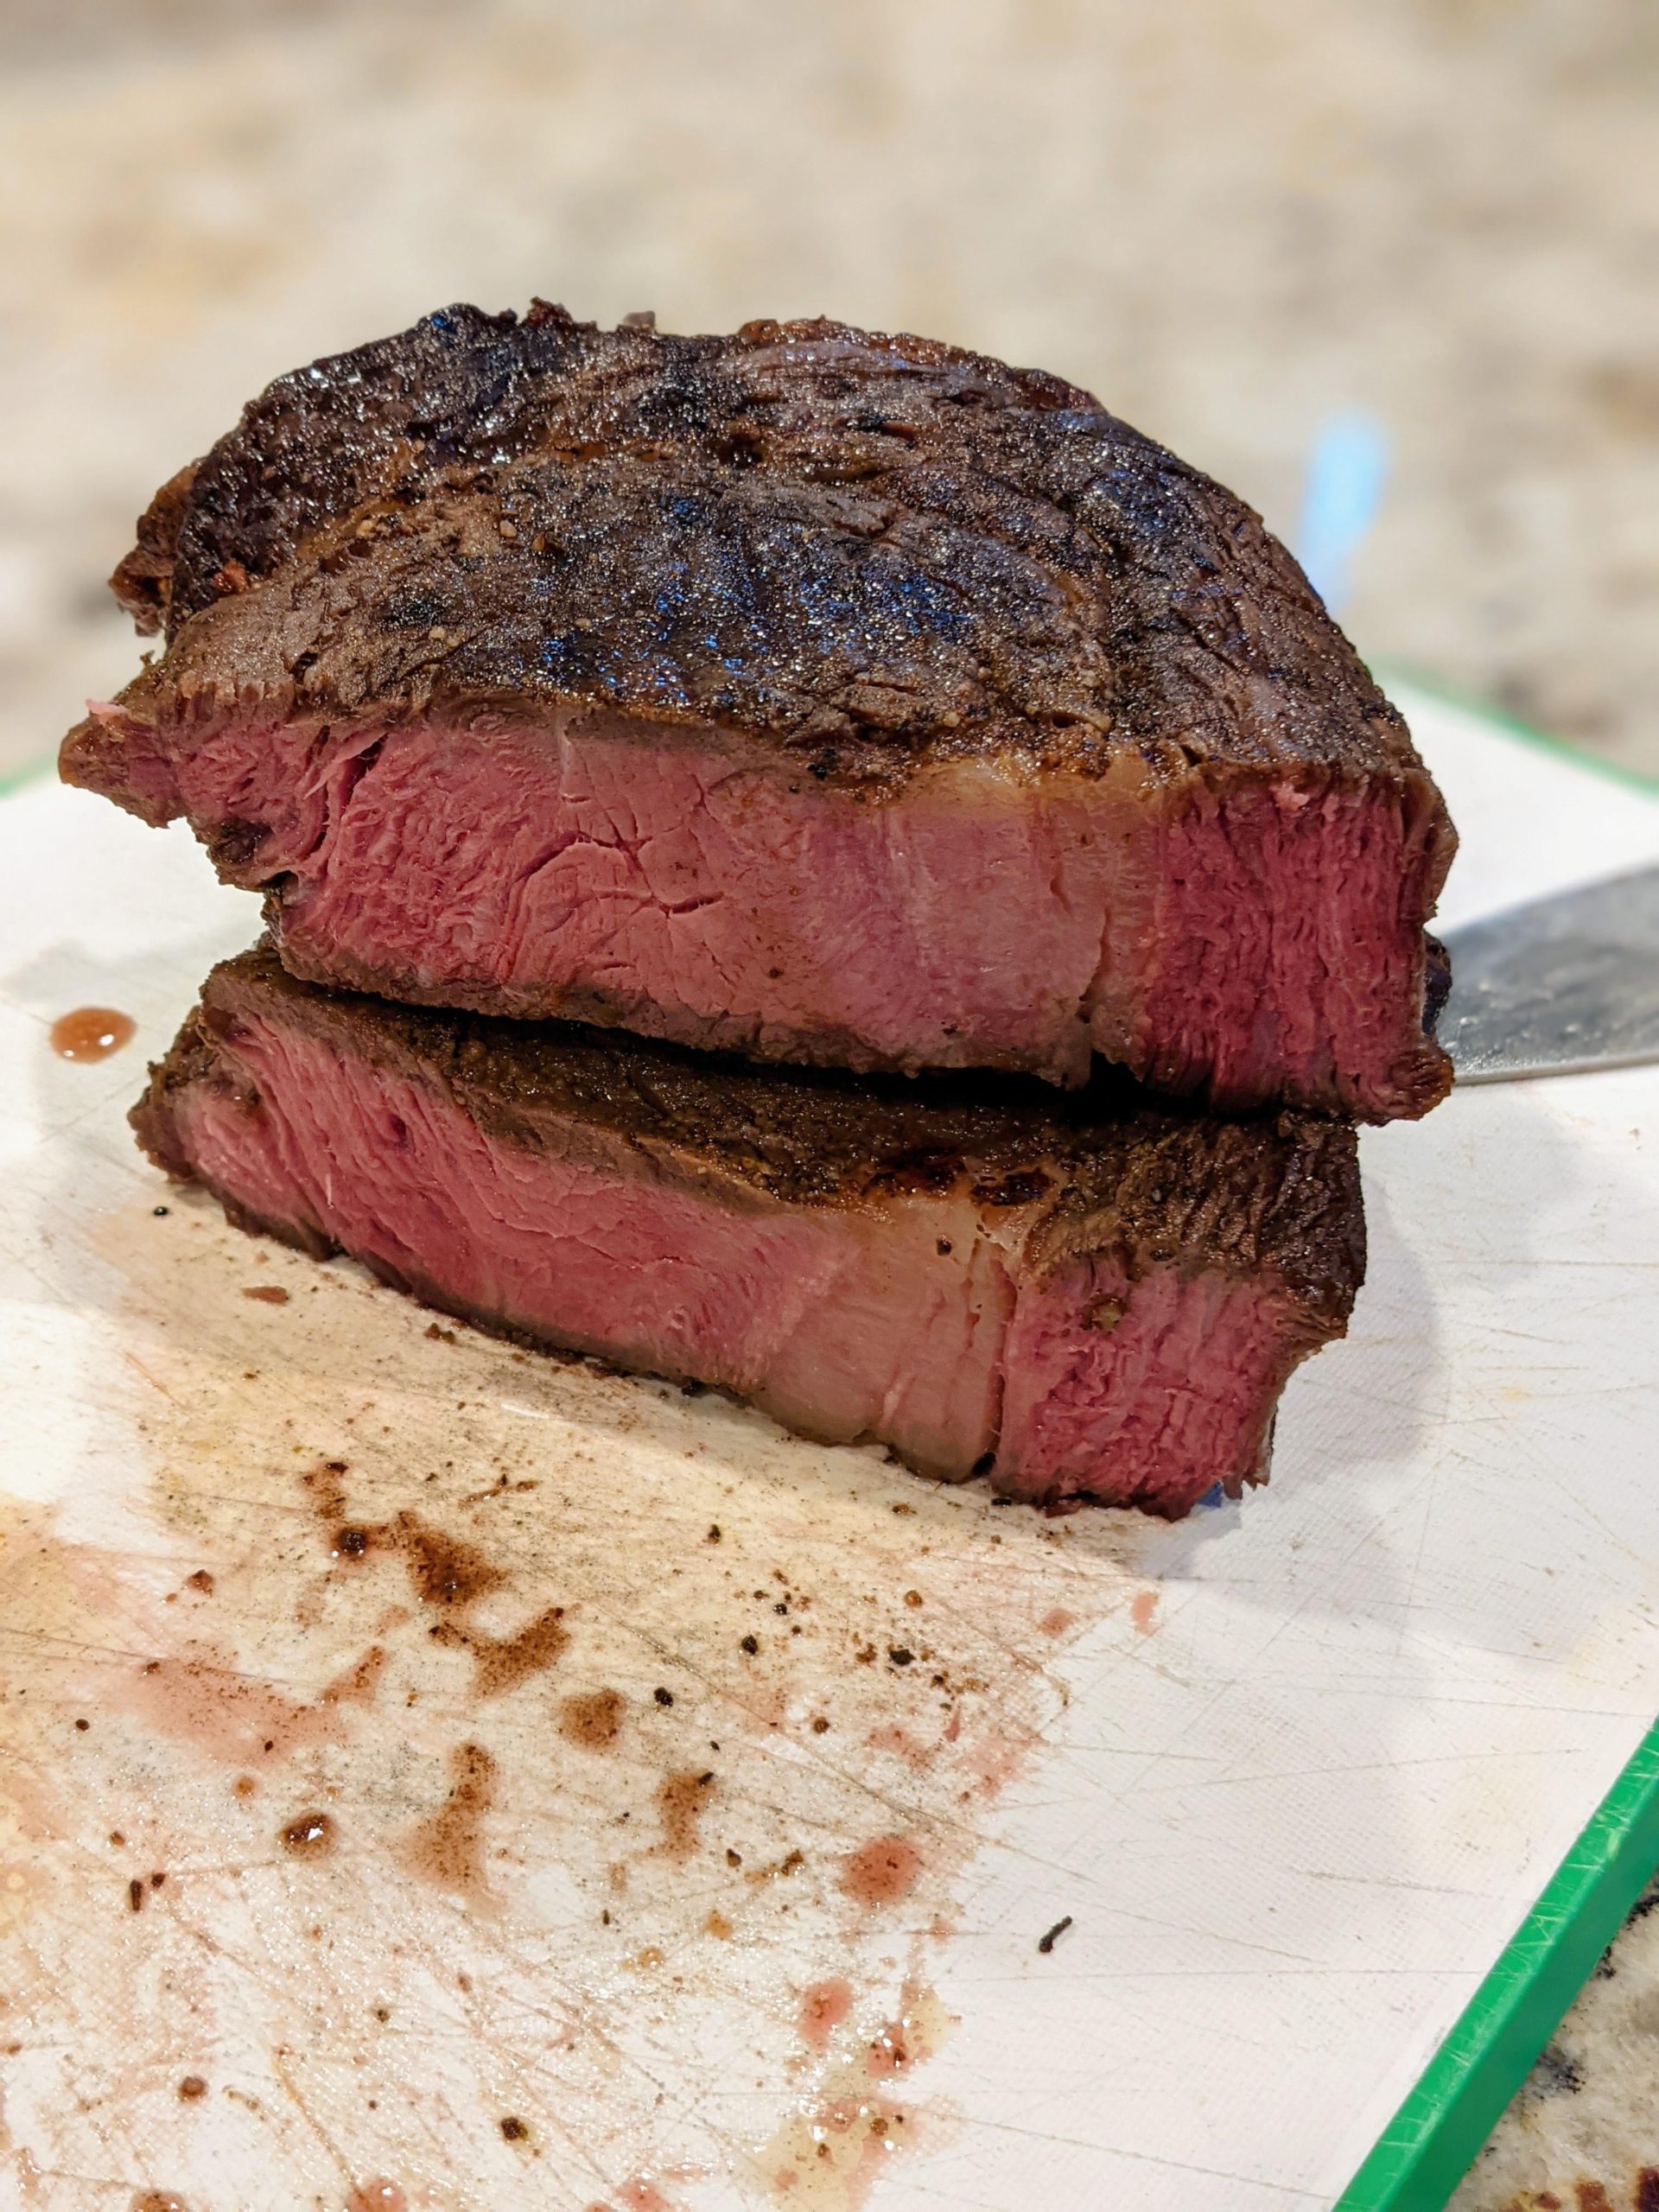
[
  {"x": 1099, "y": 1298},
  {"x": 810, "y": 694}
]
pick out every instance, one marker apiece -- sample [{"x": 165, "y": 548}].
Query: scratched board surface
[{"x": 435, "y": 1776}]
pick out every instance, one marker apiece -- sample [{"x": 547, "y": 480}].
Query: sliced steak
[
  {"x": 813, "y": 695},
  {"x": 1089, "y": 1298}
]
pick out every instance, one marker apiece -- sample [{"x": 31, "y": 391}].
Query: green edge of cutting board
[
  {"x": 1436, "y": 2134},
  {"x": 1390, "y": 674},
  {"x": 1439, "y": 2132}
]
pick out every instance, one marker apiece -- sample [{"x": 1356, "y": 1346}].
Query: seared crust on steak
[{"x": 870, "y": 551}]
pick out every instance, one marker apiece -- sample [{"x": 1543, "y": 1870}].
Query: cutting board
[{"x": 435, "y": 1776}]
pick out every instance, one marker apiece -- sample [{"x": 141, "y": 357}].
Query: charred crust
[
  {"x": 232, "y": 845},
  {"x": 867, "y": 548},
  {"x": 143, "y": 582}
]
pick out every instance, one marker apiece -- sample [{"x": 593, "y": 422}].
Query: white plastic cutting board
[{"x": 1295, "y": 1768}]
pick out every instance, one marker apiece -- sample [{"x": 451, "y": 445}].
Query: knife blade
[{"x": 1561, "y": 985}]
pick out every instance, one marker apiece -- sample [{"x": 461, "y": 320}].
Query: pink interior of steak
[
  {"x": 1263, "y": 941},
  {"x": 1174, "y": 1377},
  {"x": 1289, "y": 935},
  {"x": 910, "y": 1323}
]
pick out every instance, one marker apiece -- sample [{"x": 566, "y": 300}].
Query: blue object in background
[{"x": 1346, "y": 471}]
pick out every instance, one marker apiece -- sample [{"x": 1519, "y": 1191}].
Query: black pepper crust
[
  {"x": 869, "y": 550},
  {"x": 1101, "y": 1169}
]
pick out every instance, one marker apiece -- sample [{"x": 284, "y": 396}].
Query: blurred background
[{"x": 1407, "y": 250}]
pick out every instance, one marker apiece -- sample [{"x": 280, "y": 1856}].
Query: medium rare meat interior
[
  {"x": 1098, "y": 1297},
  {"x": 803, "y": 693}
]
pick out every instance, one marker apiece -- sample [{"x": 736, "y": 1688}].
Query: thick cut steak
[
  {"x": 812, "y": 695},
  {"x": 1096, "y": 1297}
]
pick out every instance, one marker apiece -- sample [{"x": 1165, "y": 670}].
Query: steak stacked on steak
[
  {"x": 845, "y": 699},
  {"x": 1096, "y": 1298}
]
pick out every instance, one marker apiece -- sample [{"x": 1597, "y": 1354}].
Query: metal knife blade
[{"x": 1560, "y": 985}]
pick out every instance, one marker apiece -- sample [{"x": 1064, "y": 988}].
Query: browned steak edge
[{"x": 868, "y": 549}]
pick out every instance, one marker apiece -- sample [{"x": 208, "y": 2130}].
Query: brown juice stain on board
[
  {"x": 829, "y": 2158},
  {"x": 641, "y": 2195},
  {"x": 30, "y": 1818},
  {"x": 324, "y": 1485},
  {"x": 358, "y": 1683},
  {"x": 474, "y": 1872},
  {"x": 592, "y": 1719},
  {"x": 309, "y": 1835},
  {"x": 901, "y": 1742},
  {"x": 682, "y": 1799},
  {"x": 31, "y": 2180},
  {"x": 501, "y": 1663},
  {"x": 824, "y": 2006},
  {"x": 159, "y": 2200},
  {"x": 449, "y": 1572},
  {"x": 993, "y": 1761},
  {"x": 1143, "y": 1611},
  {"x": 446, "y": 1569},
  {"x": 922, "y": 2025},
  {"x": 91, "y": 1033},
  {"x": 448, "y": 1848},
  {"x": 376, "y": 2197},
  {"x": 882, "y": 1871},
  {"x": 198, "y": 1697}
]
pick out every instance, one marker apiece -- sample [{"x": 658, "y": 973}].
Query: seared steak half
[
  {"x": 813, "y": 695},
  {"x": 1093, "y": 1298}
]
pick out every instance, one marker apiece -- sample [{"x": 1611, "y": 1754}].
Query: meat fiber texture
[
  {"x": 1099, "y": 1298},
  {"x": 808, "y": 694}
]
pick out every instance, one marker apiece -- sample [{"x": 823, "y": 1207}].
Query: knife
[{"x": 1558, "y": 986}]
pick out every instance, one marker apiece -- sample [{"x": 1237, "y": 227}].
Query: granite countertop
[
  {"x": 1238, "y": 222},
  {"x": 1583, "y": 2133}
]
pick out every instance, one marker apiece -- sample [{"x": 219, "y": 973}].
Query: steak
[
  {"x": 1087, "y": 1296},
  {"x": 804, "y": 693}
]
